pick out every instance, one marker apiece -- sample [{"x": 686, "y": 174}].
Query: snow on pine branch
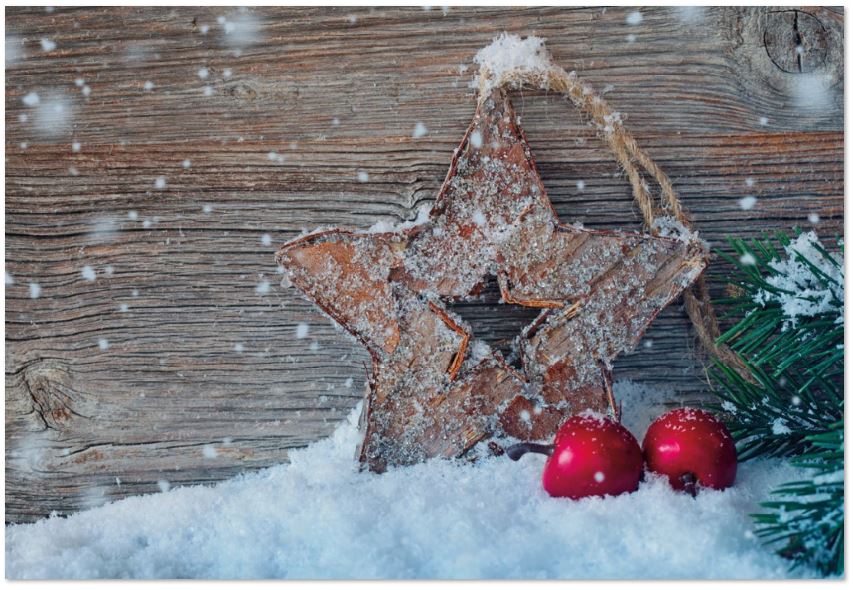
[{"x": 800, "y": 290}]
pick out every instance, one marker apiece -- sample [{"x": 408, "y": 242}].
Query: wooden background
[{"x": 173, "y": 365}]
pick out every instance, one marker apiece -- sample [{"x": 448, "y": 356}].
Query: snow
[
  {"x": 363, "y": 176},
  {"x": 690, "y": 15},
  {"x": 811, "y": 92},
  {"x": 302, "y": 331},
  {"x": 266, "y": 240},
  {"x": 186, "y": 164},
  {"x": 160, "y": 183},
  {"x": 239, "y": 347},
  {"x": 670, "y": 227},
  {"x": 420, "y": 130},
  {"x": 748, "y": 259},
  {"x": 814, "y": 218},
  {"x": 763, "y": 120},
  {"x": 52, "y": 112},
  {"x": 149, "y": 85},
  {"x": 75, "y": 146},
  {"x": 476, "y": 139},
  {"x": 802, "y": 295},
  {"x": 262, "y": 288},
  {"x": 35, "y": 290},
  {"x": 14, "y": 50},
  {"x": 747, "y": 202},
  {"x": 88, "y": 273},
  {"x": 508, "y": 55},
  {"x": 319, "y": 517},
  {"x": 241, "y": 29},
  {"x": 779, "y": 427},
  {"x": 132, "y": 215},
  {"x": 203, "y": 73},
  {"x": 103, "y": 343},
  {"x": 10, "y": 280},
  {"x": 634, "y": 18},
  {"x": 47, "y": 44},
  {"x": 381, "y": 226},
  {"x": 31, "y": 99},
  {"x": 581, "y": 185}
]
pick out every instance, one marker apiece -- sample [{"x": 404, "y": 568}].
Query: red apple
[
  {"x": 692, "y": 448},
  {"x": 591, "y": 456}
]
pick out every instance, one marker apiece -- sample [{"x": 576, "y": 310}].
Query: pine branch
[
  {"x": 787, "y": 303},
  {"x": 809, "y": 516}
]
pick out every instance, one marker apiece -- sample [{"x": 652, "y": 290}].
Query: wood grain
[{"x": 201, "y": 375}]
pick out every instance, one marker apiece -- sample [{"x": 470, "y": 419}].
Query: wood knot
[
  {"x": 796, "y": 41},
  {"x": 48, "y": 385},
  {"x": 242, "y": 90}
]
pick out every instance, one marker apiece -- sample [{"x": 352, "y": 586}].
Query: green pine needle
[{"x": 786, "y": 301}]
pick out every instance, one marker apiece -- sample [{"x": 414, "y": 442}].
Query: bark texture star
[{"x": 434, "y": 392}]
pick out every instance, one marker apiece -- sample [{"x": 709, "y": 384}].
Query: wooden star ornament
[{"x": 434, "y": 392}]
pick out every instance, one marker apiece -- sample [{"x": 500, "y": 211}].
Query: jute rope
[{"x": 635, "y": 161}]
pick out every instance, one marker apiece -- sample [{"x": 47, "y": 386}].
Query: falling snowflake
[
  {"x": 634, "y": 18},
  {"x": 747, "y": 202}
]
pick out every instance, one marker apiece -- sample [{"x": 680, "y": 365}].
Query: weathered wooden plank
[{"x": 201, "y": 375}]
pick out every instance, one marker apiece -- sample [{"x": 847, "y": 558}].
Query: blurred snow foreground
[{"x": 318, "y": 517}]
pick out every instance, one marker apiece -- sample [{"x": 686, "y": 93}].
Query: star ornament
[{"x": 434, "y": 391}]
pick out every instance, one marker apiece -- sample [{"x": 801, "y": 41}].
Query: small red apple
[
  {"x": 591, "y": 456},
  {"x": 691, "y": 447}
]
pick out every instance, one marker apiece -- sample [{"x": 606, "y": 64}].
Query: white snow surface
[{"x": 319, "y": 517}]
